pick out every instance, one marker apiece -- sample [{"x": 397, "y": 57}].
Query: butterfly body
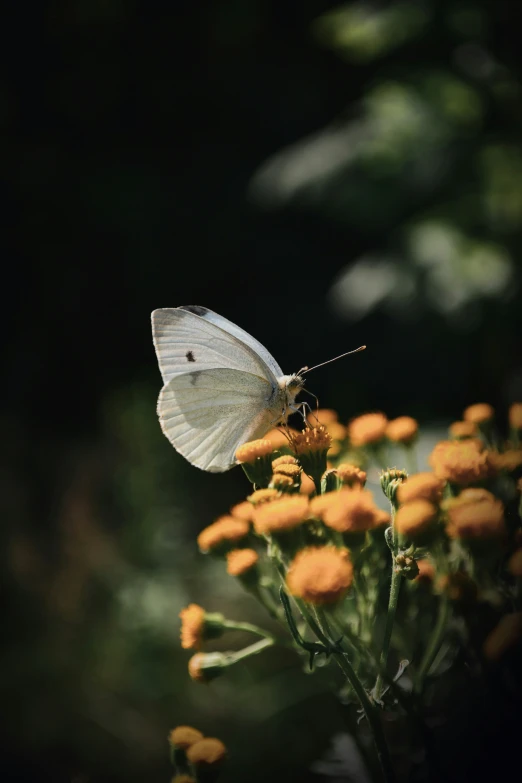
[{"x": 221, "y": 389}]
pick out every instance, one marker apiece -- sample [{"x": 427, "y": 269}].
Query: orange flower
[
  {"x": 415, "y": 517},
  {"x": 242, "y": 511},
  {"x": 320, "y": 575},
  {"x": 351, "y": 475},
  {"x": 293, "y": 471},
  {"x": 349, "y": 510},
  {"x": 458, "y": 586},
  {"x": 505, "y": 635},
  {"x": 239, "y": 561},
  {"x": 254, "y": 449},
  {"x": 324, "y": 416},
  {"x": 281, "y": 515},
  {"x": 312, "y": 440},
  {"x": 261, "y": 496},
  {"x": 509, "y": 460},
  {"x": 192, "y": 626},
  {"x": 426, "y": 571},
  {"x": 207, "y": 752},
  {"x": 514, "y": 565},
  {"x": 307, "y": 485},
  {"x": 463, "y": 429},
  {"x": 184, "y": 736},
  {"x": 195, "y": 667},
  {"x": 475, "y": 513},
  {"x": 515, "y": 416},
  {"x": 461, "y": 461},
  {"x": 402, "y": 430},
  {"x": 367, "y": 429},
  {"x": 425, "y": 486},
  {"x": 204, "y": 667},
  {"x": 286, "y": 459},
  {"x": 281, "y": 482},
  {"x": 479, "y": 413},
  {"x": 226, "y": 529}
]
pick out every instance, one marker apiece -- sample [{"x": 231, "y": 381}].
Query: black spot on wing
[{"x": 190, "y": 356}]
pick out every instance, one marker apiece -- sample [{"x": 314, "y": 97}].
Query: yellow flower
[
  {"x": 239, "y": 561},
  {"x": 505, "y": 635},
  {"x": 475, "y": 513},
  {"x": 293, "y": 471},
  {"x": 307, "y": 485},
  {"x": 286, "y": 459},
  {"x": 420, "y": 486},
  {"x": 402, "y": 430},
  {"x": 207, "y": 752},
  {"x": 463, "y": 429},
  {"x": 225, "y": 530},
  {"x": 349, "y": 510},
  {"x": 324, "y": 416},
  {"x": 479, "y": 413},
  {"x": 320, "y": 575},
  {"x": 509, "y": 460},
  {"x": 281, "y": 482},
  {"x": 281, "y": 515},
  {"x": 351, "y": 475},
  {"x": 312, "y": 441},
  {"x": 184, "y": 736},
  {"x": 515, "y": 416},
  {"x": 367, "y": 429},
  {"x": 415, "y": 517},
  {"x": 242, "y": 511},
  {"x": 461, "y": 461},
  {"x": 254, "y": 449},
  {"x": 192, "y": 626},
  {"x": 261, "y": 496},
  {"x": 426, "y": 571}
]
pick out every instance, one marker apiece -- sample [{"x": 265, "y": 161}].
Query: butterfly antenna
[{"x": 309, "y": 369}]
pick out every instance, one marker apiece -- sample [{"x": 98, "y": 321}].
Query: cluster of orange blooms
[
  {"x": 194, "y": 754},
  {"x": 310, "y": 500}
]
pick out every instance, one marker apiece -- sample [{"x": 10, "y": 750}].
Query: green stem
[
  {"x": 390, "y": 620},
  {"x": 433, "y": 644},
  {"x": 233, "y": 626},
  {"x": 253, "y": 649}
]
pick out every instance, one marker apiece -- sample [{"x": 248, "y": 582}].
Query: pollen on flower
[
  {"x": 286, "y": 469},
  {"x": 351, "y": 475},
  {"x": 320, "y": 575},
  {"x": 242, "y": 511},
  {"x": 508, "y": 460},
  {"x": 461, "y": 461},
  {"x": 368, "y": 429},
  {"x": 254, "y": 449},
  {"x": 515, "y": 416},
  {"x": 285, "y": 459},
  {"x": 504, "y": 636},
  {"x": 349, "y": 510},
  {"x": 207, "y": 752},
  {"x": 463, "y": 429},
  {"x": 475, "y": 513},
  {"x": 261, "y": 496},
  {"x": 184, "y": 736},
  {"x": 239, "y": 561},
  {"x": 281, "y": 515},
  {"x": 312, "y": 440},
  {"x": 224, "y": 530},
  {"x": 404, "y": 429},
  {"x": 415, "y": 517},
  {"x": 479, "y": 413},
  {"x": 192, "y": 625},
  {"x": 425, "y": 486}
]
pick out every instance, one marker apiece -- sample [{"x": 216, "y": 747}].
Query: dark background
[{"x": 243, "y": 155}]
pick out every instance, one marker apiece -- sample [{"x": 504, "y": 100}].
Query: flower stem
[
  {"x": 253, "y": 649},
  {"x": 233, "y": 626},
  {"x": 393, "y": 600},
  {"x": 433, "y": 644}
]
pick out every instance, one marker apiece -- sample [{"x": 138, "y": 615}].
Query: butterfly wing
[
  {"x": 231, "y": 328},
  {"x": 186, "y": 342},
  {"x": 208, "y": 414}
]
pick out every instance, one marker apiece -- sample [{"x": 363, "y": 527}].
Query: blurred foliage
[{"x": 323, "y": 175}]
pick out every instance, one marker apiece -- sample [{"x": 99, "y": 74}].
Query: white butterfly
[{"x": 222, "y": 387}]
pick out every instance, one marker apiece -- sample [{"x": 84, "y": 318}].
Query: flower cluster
[
  {"x": 194, "y": 756},
  {"x": 312, "y": 538}
]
